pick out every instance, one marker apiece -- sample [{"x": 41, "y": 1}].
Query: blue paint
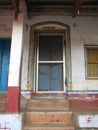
[
  {"x": 5, "y": 45},
  {"x": 82, "y": 91}
]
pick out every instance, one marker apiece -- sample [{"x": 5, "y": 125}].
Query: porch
[{"x": 53, "y": 63}]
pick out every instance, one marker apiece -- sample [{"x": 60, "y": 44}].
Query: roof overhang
[{"x": 64, "y": 7}]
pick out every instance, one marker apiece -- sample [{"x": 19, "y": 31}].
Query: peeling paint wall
[
  {"x": 86, "y": 119},
  {"x": 84, "y": 31},
  {"x": 10, "y": 121}
]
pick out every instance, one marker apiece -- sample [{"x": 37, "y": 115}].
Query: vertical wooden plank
[
  {"x": 44, "y": 77},
  {"x": 68, "y": 59},
  {"x": 56, "y": 77},
  {"x": 5, "y": 64}
]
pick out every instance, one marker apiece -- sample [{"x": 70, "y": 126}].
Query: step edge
[
  {"x": 49, "y": 125},
  {"x": 61, "y": 112}
]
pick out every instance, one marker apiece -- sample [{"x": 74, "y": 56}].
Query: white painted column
[
  {"x": 15, "y": 61},
  {"x": 16, "y": 52}
]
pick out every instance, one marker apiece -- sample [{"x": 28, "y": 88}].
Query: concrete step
[
  {"x": 3, "y": 97},
  {"x": 49, "y": 96},
  {"x": 48, "y": 112},
  {"x": 2, "y": 106},
  {"x": 48, "y": 127},
  {"x": 48, "y": 104},
  {"x": 48, "y": 117}
]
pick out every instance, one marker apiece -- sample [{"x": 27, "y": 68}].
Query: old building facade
[{"x": 49, "y": 49}]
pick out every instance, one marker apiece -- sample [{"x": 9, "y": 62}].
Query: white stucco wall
[{"x": 84, "y": 31}]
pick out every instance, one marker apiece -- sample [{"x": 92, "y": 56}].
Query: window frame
[
  {"x": 86, "y": 73},
  {"x": 38, "y": 62}
]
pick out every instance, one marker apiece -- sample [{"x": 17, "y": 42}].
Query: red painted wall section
[
  {"x": 84, "y": 104},
  {"x": 83, "y": 101},
  {"x": 13, "y": 100}
]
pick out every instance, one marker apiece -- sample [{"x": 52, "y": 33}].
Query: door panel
[
  {"x": 5, "y": 45},
  {"x": 50, "y": 48},
  {"x": 50, "y": 63},
  {"x": 50, "y": 77},
  {"x": 44, "y": 78},
  {"x": 56, "y": 77}
]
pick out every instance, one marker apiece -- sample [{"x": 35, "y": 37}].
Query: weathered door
[
  {"x": 5, "y": 45},
  {"x": 50, "y": 63}
]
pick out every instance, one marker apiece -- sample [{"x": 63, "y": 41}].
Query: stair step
[
  {"x": 50, "y": 96},
  {"x": 49, "y": 127},
  {"x": 2, "y": 106},
  {"x": 3, "y": 96},
  {"x": 48, "y": 117},
  {"x": 54, "y": 104},
  {"x": 48, "y": 112}
]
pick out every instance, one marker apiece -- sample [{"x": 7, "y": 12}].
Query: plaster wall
[{"x": 83, "y": 31}]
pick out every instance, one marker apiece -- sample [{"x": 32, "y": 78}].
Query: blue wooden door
[{"x": 5, "y": 45}]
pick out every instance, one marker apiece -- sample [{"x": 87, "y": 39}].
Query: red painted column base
[{"x": 13, "y": 100}]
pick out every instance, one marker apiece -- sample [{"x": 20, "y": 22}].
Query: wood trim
[
  {"x": 64, "y": 29},
  {"x": 78, "y": 5},
  {"x": 16, "y": 8},
  {"x": 92, "y": 62}
]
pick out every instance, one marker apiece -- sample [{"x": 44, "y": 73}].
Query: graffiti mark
[
  {"x": 18, "y": 117},
  {"x": 26, "y": 95},
  {"x": 88, "y": 120},
  {"x": 5, "y": 127}
]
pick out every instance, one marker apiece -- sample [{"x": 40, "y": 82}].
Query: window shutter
[{"x": 92, "y": 61}]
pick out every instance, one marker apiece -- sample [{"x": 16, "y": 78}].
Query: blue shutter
[{"x": 4, "y": 66}]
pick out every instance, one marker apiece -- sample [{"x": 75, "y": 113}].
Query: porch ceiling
[{"x": 65, "y": 7}]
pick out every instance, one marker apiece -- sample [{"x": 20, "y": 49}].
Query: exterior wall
[{"x": 83, "y": 32}]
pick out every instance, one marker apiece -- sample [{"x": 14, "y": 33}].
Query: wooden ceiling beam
[
  {"x": 78, "y": 5},
  {"x": 16, "y": 8}
]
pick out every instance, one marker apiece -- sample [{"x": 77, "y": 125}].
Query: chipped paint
[{"x": 10, "y": 121}]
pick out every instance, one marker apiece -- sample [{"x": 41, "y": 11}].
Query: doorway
[{"x": 50, "y": 62}]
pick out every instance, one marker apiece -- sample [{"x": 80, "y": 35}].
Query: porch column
[{"x": 14, "y": 78}]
